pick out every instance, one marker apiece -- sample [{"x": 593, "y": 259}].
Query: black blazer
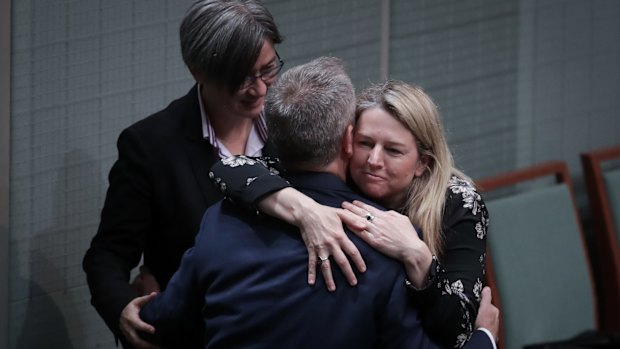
[{"x": 159, "y": 189}]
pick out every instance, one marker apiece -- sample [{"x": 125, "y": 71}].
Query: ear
[
  {"x": 423, "y": 163},
  {"x": 197, "y": 74},
  {"x": 347, "y": 142}
]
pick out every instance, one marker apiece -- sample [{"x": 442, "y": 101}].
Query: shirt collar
[{"x": 256, "y": 139}]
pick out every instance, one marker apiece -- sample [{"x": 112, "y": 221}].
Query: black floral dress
[{"x": 448, "y": 306}]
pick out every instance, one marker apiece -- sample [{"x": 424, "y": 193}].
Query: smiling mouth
[
  {"x": 252, "y": 103},
  {"x": 373, "y": 176}
]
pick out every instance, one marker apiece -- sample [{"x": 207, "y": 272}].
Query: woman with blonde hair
[{"x": 402, "y": 161}]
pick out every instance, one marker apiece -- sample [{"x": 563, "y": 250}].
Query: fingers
[
  {"x": 131, "y": 324},
  {"x": 141, "y": 301},
  {"x": 366, "y": 208},
  {"x": 326, "y": 270},
  {"x": 488, "y": 314},
  {"x": 312, "y": 262},
  {"x": 356, "y": 209},
  {"x": 486, "y": 295},
  {"x": 354, "y": 254},
  {"x": 352, "y": 220},
  {"x": 345, "y": 267},
  {"x": 344, "y": 254},
  {"x": 133, "y": 314}
]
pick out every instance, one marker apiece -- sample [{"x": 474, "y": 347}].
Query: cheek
[
  {"x": 358, "y": 159},
  {"x": 400, "y": 176}
]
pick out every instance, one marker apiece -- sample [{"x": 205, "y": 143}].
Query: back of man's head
[{"x": 308, "y": 110}]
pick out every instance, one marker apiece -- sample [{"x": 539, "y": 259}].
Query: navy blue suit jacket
[{"x": 245, "y": 284}]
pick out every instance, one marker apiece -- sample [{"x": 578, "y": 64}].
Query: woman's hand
[
  {"x": 322, "y": 232},
  {"x": 392, "y": 234},
  {"x": 326, "y": 241},
  {"x": 131, "y": 324}
]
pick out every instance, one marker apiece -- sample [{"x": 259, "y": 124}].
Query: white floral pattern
[
  {"x": 463, "y": 191},
  {"x": 471, "y": 198},
  {"x": 239, "y": 160},
  {"x": 250, "y": 180},
  {"x": 478, "y": 290}
]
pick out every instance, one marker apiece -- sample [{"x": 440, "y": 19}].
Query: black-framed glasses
[{"x": 268, "y": 75}]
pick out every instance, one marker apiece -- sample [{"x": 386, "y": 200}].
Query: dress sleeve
[
  {"x": 449, "y": 305},
  {"x": 245, "y": 180}
]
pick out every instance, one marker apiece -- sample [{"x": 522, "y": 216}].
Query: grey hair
[
  {"x": 308, "y": 109},
  {"x": 222, "y": 39}
]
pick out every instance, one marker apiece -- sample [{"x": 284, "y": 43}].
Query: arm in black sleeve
[
  {"x": 117, "y": 247},
  {"x": 245, "y": 180},
  {"x": 449, "y": 305}
]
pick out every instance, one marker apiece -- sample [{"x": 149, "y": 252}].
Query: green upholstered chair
[
  {"x": 603, "y": 186},
  {"x": 537, "y": 261}
]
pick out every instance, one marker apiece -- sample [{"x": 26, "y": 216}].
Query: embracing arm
[
  {"x": 446, "y": 291},
  {"x": 256, "y": 183},
  {"x": 116, "y": 248},
  {"x": 450, "y": 304}
]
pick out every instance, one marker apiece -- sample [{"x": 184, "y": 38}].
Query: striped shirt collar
[{"x": 256, "y": 138}]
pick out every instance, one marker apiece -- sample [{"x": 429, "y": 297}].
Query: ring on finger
[
  {"x": 322, "y": 259},
  {"x": 369, "y": 217}
]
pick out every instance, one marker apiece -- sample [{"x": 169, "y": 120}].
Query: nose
[
  {"x": 258, "y": 88},
  {"x": 374, "y": 157}
]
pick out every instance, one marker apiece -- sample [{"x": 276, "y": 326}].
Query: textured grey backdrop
[{"x": 517, "y": 83}]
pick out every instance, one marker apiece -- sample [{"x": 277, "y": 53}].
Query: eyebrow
[{"x": 389, "y": 143}]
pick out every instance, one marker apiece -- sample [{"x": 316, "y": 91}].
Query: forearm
[
  {"x": 450, "y": 305},
  {"x": 109, "y": 286},
  {"x": 246, "y": 181},
  {"x": 289, "y": 205},
  {"x": 417, "y": 262}
]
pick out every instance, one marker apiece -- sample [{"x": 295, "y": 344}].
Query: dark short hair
[
  {"x": 222, "y": 39},
  {"x": 308, "y": 110}
]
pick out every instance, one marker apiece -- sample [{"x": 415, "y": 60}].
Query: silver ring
[
  {"x": 369, "y": 217},
  {"x": 321, "y": 260}
]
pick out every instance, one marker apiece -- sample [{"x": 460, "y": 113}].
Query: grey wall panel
[{"x": 517, "y": 82}]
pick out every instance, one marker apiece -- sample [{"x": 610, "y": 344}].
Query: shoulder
[
  {"x": 462, "y": 193},
  {"x": 463, "y": 201},
  {"x": 182, "y": 111}
]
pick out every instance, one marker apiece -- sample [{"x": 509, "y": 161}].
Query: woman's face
[
  {"x": 247, "y": 102},
  {"x": 385, "y": 158}
]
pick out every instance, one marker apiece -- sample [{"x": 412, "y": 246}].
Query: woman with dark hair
[{"x": 158, "y": 185}]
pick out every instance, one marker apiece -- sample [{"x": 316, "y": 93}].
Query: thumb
[
  {"x": 141, "y": 301},
  {"x": 486, "y": 295}
]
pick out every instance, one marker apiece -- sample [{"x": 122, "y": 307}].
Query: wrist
[
  {"x": 289, "y": 205},
  {"x": 419, "y": 265}
]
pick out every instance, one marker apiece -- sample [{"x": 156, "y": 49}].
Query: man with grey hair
[
  {"x": 159, "y": 186},
  {"x": 244, "y": 281}
]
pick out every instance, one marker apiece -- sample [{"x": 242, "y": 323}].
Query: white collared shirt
[{"x": 256, "y": 138}]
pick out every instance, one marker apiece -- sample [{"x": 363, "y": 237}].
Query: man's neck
[{"x": 337, "y": 167}]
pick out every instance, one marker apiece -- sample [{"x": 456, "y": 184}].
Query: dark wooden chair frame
[
  {"x": 605, "y": 236},
  {"x": 559, "y": 171}
]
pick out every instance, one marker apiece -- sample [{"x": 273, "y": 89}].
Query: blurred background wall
[{"x": 517, "y": 82}]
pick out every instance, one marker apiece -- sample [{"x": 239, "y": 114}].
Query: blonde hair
[{"x": 427, "y": 193}]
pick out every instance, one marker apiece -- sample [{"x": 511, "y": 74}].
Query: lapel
[{"x": 200, "y": 153}]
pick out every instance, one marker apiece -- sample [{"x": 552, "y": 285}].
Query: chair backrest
[
  {"x": 603, "y": 186},
  {"x": 538, "y": 265}
]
